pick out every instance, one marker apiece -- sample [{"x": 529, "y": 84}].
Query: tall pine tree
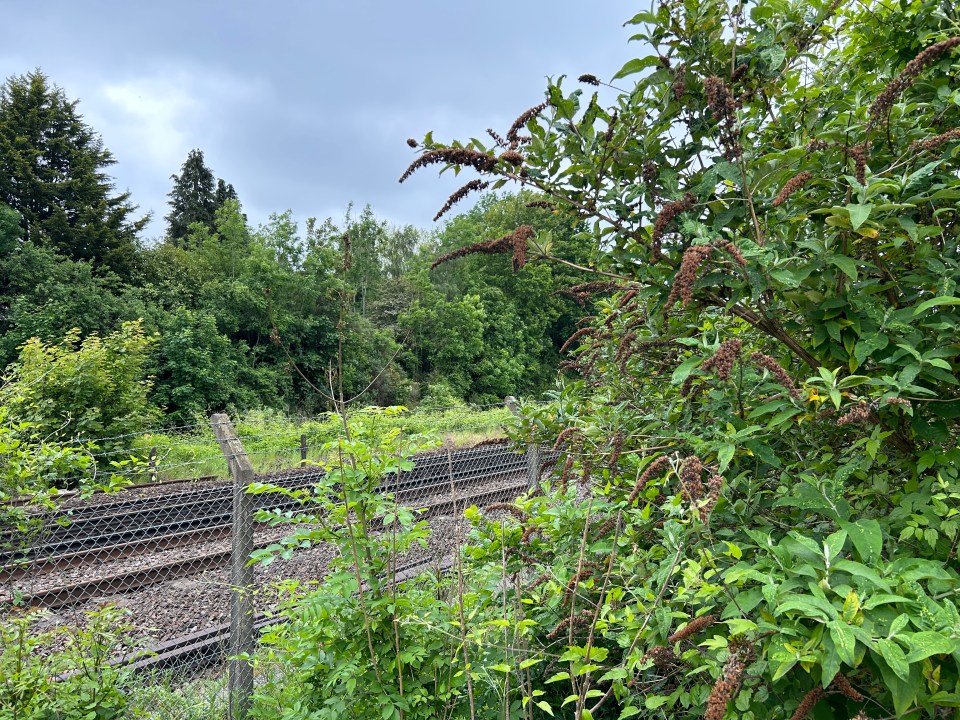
[
  {"x": 196, "y": 196},
  {"x": 52, "y": 173}
]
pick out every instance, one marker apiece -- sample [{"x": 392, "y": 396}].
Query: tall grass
[{"x": 272, "y": 441}]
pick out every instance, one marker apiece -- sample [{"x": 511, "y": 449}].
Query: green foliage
[
  {"x": 197, "y": 370},
  {"x": 358, "y": 645},
  {"x": 482, "y": 328},
  {"x": 88, "y": 688},
  {"x": 194, "y": 198},
  {"x": 761, "y": 428},
  {"x": 52, "y": 174},
  {"x": 82, "y": 389}
]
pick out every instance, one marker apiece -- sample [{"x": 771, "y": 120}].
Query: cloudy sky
[{"x": 305, "y": 105}]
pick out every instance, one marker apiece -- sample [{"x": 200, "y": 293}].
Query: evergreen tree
[
  {"x": 52, "y": 173},
  {"x": 196, "y": 196},
  {"x": 224, "y": 192},
  {"x": 192, "y": 199}
]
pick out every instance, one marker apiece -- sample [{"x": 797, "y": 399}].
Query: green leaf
[
  {"x": 935, "y": 302},
  {"x": 927, "y": 643},
  {"x": 847, "y": 265},
  {"x": 636, "y": 65},
  {"x": 812, "y": 607},
  {"x": 867, "y": 538},
  {"x": 652, "y": 702},
  {"x": 545, "y": 706},
  {"x": 684, "y": 369},
  {"x": 500, "y": 667},
  {"x": 894, "y": 657},
  {"x": 858, "y": 214},
  {"x": 844, "y": 640},
  {"x": 725, "y": 455}
]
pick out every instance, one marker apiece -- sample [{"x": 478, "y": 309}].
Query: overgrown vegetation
[
  {"x": 245, "y": 318},
  {"x": 758, "y": 512}
]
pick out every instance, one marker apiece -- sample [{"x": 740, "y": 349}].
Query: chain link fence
[{"x": 169, "y": 556}]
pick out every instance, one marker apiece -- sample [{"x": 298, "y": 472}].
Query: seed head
[
  {"x": 412, "y": 143},
  {"x": 859, "y": 414},
  {"x": 782, "y": 377},
  {"x": 589, "y": 79},
  {"x": 472, "y": 186},
  {"x": 734, "y": 252},
  {"x": 724, "y": 109},
  {"x": 454, "y": 156},
  {"x": 512, "y": 157},
  {"x": 714, "y": 487},
  {"x": 895, "y": 87},
  {"x": 726, "y": 687},
  {"x": 806, "y": 705},
  {"x": 692, "y": 628},
  {"x": 932, "y": 143},
  {"x": 680, "y": 83},
  {"x": 690, "y": 483},
  {"x": 653, "y": 470},
  {"x": 686, "y": 276},
  {"x": 793, "y": 184},
  {"x": 721, "y": 362},
  {"x": 842, "y": 685},
  {"x": 859, "y": 155},
  {"x": 582, "y": 618},
  {"x": 665, "y": 218},
  {"x": 521, "y": 122}
]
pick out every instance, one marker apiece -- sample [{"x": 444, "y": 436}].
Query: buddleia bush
[{"x": 755, "y": 513}]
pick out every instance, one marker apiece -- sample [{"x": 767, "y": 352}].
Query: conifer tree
[
  {"x": 192, "y": 199},
  {"x": 52, "y": 173},
  {"x": 196, "y": 196}
]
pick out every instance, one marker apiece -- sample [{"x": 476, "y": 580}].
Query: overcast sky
[{"x": 305, "y": 105}]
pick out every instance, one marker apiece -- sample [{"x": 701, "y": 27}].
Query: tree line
[{"x": 225, "y": 315}]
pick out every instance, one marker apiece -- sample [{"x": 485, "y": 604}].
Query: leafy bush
[
  {"x": 92, "y": 388},
  {"x": 358, "y": 645},
  {"x": 74, "y": 683},
  {"x": 757, "y": 513}
]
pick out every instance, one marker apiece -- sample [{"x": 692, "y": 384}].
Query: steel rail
[
  {"x": 74, "y": 593},
  {"x": 155, "y": 518}
]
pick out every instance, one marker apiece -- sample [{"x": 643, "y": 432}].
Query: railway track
[
  {"x": 73, "y": 593},
  {"x": 199, "y": 650},
  {"x": 115, "y": 530}
]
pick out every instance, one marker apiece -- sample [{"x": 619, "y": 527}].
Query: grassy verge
[{"x": 273, "y": 442}]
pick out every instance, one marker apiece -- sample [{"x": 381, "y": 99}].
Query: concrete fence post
[{"x": 240, "y": 672}]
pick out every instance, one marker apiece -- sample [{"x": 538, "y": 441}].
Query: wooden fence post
[
  {"x": 303, "y": 451},
  {"x": 240, "y": 678}
]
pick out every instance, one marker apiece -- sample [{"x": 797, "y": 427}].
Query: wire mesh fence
[{"x": 171, "y": 555}]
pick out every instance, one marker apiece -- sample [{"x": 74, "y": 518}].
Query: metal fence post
[
  {"x": 533, "y": 449},
  {"x": 240, "y": 678}
]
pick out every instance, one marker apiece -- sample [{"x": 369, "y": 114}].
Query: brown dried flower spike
[
  {"x": 686, "y": 276},
  {"x": 479, "y": 161},
  {"x": 472, "y": 186},
  {"x": 664, "y": 218},
  {"x": 895, "y": 87},
  {"x": 515, "y": 242},
  {"x": 721, "y": 362},
  {"x": 793, "y": 184}
]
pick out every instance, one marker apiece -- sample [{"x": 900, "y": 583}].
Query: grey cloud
[{"x": 305, "y": 105}]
